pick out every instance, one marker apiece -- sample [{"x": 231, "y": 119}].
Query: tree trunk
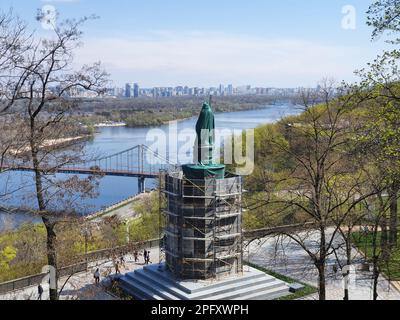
[
  {"x": 50, "y": 226},
  {"x": 348, "y": 262},
  {"x": 375, "y": 261},
  {"x": 346, "y": 295},
  {"x": 376, "y": 278},
  {"x": 321, "y": 281},
  {"x": 321, "y": 264},
  {"x": 384, "y": 239},
  {"x": 52, "y": 256},
  {"x": 394, "y": 192}
]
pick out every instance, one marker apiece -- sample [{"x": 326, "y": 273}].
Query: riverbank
[
  {"x": 150, "y": 112},
  {"x": 50, "y": 143},
  {"x": 110, "y": 125},
  {"x": 123, "y": 210}
]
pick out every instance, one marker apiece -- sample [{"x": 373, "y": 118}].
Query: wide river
[{"x": 113, "y": 140}]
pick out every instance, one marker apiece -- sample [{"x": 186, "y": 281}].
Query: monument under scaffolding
[{"x": 202, "y": 235}]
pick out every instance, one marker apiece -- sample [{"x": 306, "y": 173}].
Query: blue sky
[{"x": 285, "y": 43}]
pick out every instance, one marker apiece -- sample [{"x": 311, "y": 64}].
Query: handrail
[{"x": 36, "y": 279}]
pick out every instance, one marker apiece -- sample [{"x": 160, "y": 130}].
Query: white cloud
[{"x": 196, "y": 58}]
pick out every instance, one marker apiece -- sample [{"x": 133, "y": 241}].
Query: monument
[{"x": 202, "y": 235}]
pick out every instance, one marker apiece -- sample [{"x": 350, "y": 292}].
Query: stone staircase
[{"x": 155, "y": 283}]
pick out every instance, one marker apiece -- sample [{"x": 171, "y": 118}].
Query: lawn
[{"x": 364, "y": 244}]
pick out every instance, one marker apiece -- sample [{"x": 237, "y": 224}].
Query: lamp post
[
  {"x": 127, "y": 231},
  {"x": 85, "y": 233}
]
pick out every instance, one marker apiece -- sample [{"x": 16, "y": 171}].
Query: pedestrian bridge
[{"x": 139, "y": 162}]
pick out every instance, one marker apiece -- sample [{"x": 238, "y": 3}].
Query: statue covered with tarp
[{"x": 204, "y": 166}]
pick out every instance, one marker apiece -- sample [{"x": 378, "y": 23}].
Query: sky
[{"x": 269, "y": 43}]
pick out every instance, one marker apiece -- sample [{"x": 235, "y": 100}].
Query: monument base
[{"x": 154, "y": 282}]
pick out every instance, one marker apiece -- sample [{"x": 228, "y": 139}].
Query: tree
[
  {"x": 384, "y": 16},
  {"x": 380, "y": 90},
  {"x": 381, "y": 82},
  {"x": 319, "y": 178},
  {"x": 13, "y": 40},
  {"x": 44, "y": 76}
]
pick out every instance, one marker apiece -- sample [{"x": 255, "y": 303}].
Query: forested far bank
[{"x": 143, "y": 112}]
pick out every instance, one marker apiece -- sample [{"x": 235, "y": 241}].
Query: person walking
[
  {"x": 148, "y": 257},
  {"x": 117, "y": 268},
  {"x": 122, "y": 260},
  {"x": 135, "y": 255},
  {"x": 97, "y": 276},
  {"x": 145, "y": 256},
  {"x": 40, "y": 291}
]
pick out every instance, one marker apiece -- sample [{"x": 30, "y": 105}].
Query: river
[{"x": 111, "y": 140}]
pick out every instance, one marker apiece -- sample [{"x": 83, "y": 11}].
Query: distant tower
[
  {"x": 221, "y": 90},
  {"x": 136, "y": 90},
  {"x": 230, "y": 89},
  {"x": 128, "y": 90}
]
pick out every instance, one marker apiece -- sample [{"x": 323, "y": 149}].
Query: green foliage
[
  {"x": 364, "y": 243},
  {"x": 148, "y": 225},
  {"x": 384, "y": 16},
  {"x": 22, "y": 252},
  {"x": 7, "y": 255},
  {"x": 144, "y": 112}
]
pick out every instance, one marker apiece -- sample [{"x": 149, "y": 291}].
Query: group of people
[
  {"x": 96, "y": 275},
  {"x": 146, "y": 256}
]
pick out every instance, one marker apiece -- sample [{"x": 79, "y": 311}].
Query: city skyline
[
  {"x": 134, "y": 90},
  {"x": 285, "y": 44}
]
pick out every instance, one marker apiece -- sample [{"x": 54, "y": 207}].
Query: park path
[
  {"x": 124, "y": 210},
  {"x": 81, "y": 285},
  {"x": 286, "y": 257}
]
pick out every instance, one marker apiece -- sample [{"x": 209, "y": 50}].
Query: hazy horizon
[{"x": 268, "y": 44}]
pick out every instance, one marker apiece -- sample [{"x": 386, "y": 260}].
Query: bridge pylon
[{"x": 141, "y": 185}]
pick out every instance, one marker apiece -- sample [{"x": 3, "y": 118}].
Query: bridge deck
[{"x": 108, "y": 172}]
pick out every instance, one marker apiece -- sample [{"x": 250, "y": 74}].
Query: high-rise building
[
  {"x": 221, "y": 90},
  {"x": 135, "y": 90},
  {"x": 230, "y": 89},
  {"x": 128, "y": 90}
]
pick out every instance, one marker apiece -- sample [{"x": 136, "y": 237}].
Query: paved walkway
[
  {"x": 286, "y": 257},
  {"x": 81, "y": 285},
  {"x": 123, "y": 210},
  {"x": 283, "y": 256}
]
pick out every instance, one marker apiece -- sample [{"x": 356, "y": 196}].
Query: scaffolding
[{"x": 203, "y": 226}]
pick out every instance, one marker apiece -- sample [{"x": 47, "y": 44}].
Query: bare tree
[
  {"x": 319, "y": 179},
  {"x": 43, "y": 78}
]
